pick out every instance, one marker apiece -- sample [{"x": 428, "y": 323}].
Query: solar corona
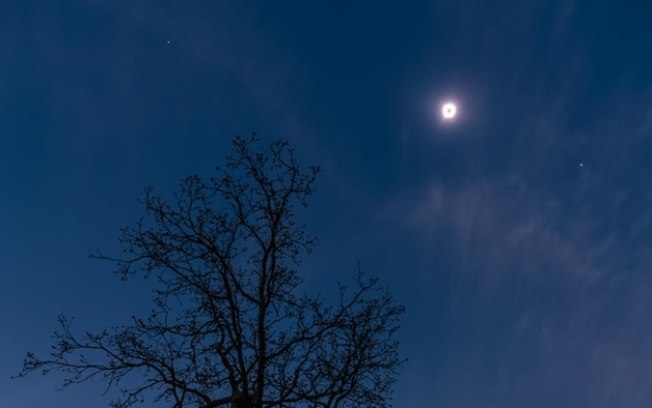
[{"x": 448, "y": 111}]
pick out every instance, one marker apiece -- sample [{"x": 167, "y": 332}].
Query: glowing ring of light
[{"x": 448, "y": 110}]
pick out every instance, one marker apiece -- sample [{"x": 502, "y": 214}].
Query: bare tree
[{"x": 228, "y": 326}]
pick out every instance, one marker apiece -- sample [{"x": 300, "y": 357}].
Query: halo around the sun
[{"x": 448, "y": 111}]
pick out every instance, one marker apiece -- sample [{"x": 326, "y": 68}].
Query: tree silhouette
[{"x": 228, "y": 326}]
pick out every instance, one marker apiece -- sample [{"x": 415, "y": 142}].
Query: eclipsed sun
[{"x": 448, "y": 111}]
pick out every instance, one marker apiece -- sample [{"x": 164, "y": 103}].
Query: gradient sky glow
[{"x": 519, "y": 239}]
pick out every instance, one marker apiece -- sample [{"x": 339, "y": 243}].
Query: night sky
[{"x": 518, "y": 236}]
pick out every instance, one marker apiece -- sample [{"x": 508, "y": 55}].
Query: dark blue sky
[{"x": 519, "y": 237}]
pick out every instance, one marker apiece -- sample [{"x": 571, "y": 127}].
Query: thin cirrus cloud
[
  {"x": 582, "y": 331},
  {"x": 499, "y": 226}
]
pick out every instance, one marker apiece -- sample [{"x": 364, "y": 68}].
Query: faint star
[
  {"x": 168, "y": 41},
  {"x": 581, "y": 164}
]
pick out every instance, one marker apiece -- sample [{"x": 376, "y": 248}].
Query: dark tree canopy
[{"x": 229, "y": 326}]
